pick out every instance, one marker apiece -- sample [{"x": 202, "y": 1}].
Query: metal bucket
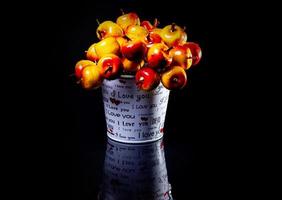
[{"x": 133, "y": 115}]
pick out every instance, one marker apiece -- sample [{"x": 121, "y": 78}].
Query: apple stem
[
  {"x": 97, "y": 20},
  {"x": 100, "y": 34},
  {"x": 126, "y": 37},
  {"x": 121, "y": 10},
  {"x": 168, "y": 49},
  {"x": 78, "y": 82},
  {"x": 184, "y": 28},
  {"x": 175, "y": 80},
  {"x": 108, "y": 69},
  {"x": 173, "y": 27},
  {"x": 148, "y": 38},
  {"x": 85, "y": 51},
  {"x": 156, "y": 22}
]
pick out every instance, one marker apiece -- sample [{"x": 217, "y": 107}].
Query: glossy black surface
[{"x": 194, "y": 122}]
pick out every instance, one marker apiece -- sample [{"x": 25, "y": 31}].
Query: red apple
[
  {"x": 153, "y": 38},
  {"x": 175, "y": 78},
  {"x": 157, "y": 56},
  {"x": 80, "y": 65},
  {"x": 181, "y": 56},
  {"x": 110, "y": 66},
  {"x": 147, "y": 79},
  {"x": 146, "y": 24},
  {"x": 195, "y": 50},
  {"x": 134, "y": 50}
]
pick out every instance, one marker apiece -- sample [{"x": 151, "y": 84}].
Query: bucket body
[{"x": 133, "y": 115}]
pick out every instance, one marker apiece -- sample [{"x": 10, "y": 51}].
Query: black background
[{"x": 203, "y": 138}]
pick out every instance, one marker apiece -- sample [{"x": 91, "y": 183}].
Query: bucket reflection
[{"x": 135, "y": 172}]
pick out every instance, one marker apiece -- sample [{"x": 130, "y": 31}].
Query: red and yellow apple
[
  {"x": 134, "y": 50},
  {"x": 110, "y": 66},
  {"x": 181, "y": 56},
  {"x": 173, "y": 35},
  {"x": 195, "y": 50},
  {"x": 80, "y": 65},
  {"x": 91, "y": 77},
  {"x": 147, "y": 79},
  {"x": 157, "y": 56},
  {"x": 136, "y": 32},
  {"x": 126, "y": 20},
  {"x": 175, "y": 78},
  {"x": 131, "y": 65},
  {"x": 91, "y": 53},
  {"x": 108, "y": 29}
]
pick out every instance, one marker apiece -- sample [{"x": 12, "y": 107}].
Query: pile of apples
[{"x": 141, "y": 49}]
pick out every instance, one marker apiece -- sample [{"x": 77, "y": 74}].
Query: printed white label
[{"x": 133, "y": 115}]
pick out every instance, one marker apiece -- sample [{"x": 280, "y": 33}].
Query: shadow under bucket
[{"x": 133, "y": 115}]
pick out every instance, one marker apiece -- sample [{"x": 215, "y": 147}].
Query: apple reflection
[{"x": 135, "y": 171}]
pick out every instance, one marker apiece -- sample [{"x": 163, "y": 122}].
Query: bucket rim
[{"x": 127, "y": 76}]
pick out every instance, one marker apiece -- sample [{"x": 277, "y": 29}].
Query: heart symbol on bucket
[
  {"x": 144, "y": 118},
  {"x": 115, "y": 101}
]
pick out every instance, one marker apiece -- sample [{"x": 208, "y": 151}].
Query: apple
[
  {"x": 91, "y": 77},
  {"x": 147, "y": 79},
  {"x": 136, "y": 32},
  {"x": 80, "y": 65},
  {"x": 147, "y": 24},
  {"x": 181, "y": 56},
  {"x": 153, "y": 38},
  {"x": 134, "y": 50},
  {"x": 157, "y": 56},
  {"x": 175, "y": 78},
  {"x": 126, "y": 20},
  {"x": 121, "y": 40},
  {"x": 195, "y": 50},
  {"x": 108, "y": 29},
  {"x": 108, "y": 45},
  {"x": 173, "y": 35},
  {"x": 91, "y": 53},
  {"x": 131, "y": 65},
  {"x": 110, "y": 66}
]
